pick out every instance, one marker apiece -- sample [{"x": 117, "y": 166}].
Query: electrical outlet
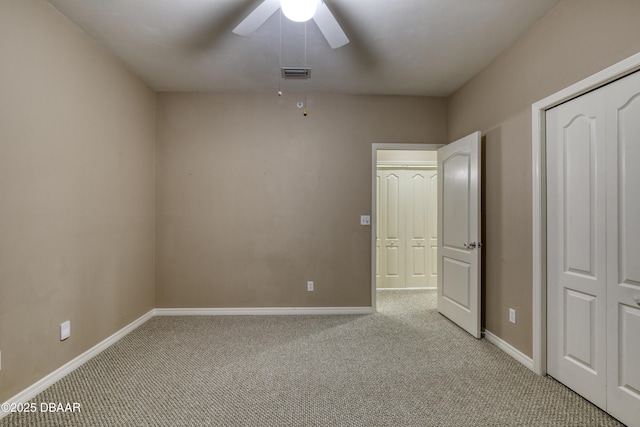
[
  {"x": 365, "y": 219},
  {"x": 310, "y": 286},
  {"x": 65, "y": 330},
  {"x": 512, "y": 315}
]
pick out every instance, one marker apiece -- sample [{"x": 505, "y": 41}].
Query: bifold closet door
[
  {"x": 420, "y": 199},
  {"x": 593, "y": 246},
  {"x": 406, "y": 243},
  {"x": 576, "y": 246},
  {"x": 623, "y": 249},
  {"x": 391, "y": 240}
]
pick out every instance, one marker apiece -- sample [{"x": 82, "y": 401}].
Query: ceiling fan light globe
[{"x": 299, "y": 10}]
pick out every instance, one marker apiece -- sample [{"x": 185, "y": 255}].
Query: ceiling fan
[{"x": 299, "y": 11}]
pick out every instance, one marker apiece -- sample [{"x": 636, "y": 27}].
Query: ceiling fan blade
[
  {"x": 329, "y": 26},
  {"x": 256, "y": 18}
]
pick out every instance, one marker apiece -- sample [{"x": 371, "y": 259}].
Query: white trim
[
  {"x": 46, "y": 382},
  {"x": 509, "y": 349},
  {"x": 261, "y": 311},
  {"x": 538, "y": 110},
  {"x": 432, "y": 288},
  {"x": 406, "y": 164},
  {"x": 374, "y": 162}
]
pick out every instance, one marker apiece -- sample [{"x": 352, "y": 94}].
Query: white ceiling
[{"x": 398, "y": 47}]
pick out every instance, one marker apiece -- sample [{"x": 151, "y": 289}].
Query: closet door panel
[
  {"x": 415, "y": 192},
  {"x": 379, "y": 215},
  {"x": 432, "y": 229},
  {"x": 623, "y": 249},
  {"x": 391, "y": 261},
  {"x": 576, "y": 246}
]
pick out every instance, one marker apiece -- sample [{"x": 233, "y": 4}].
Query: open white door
[{"x": 459, "y": 231}]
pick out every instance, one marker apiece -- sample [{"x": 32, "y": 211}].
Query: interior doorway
[{"x": 404, "y": 216}]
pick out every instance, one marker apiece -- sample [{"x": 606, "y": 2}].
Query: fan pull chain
[{"x": 280, "y": 71}]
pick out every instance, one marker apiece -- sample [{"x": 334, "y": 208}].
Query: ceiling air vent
[{"x": 296, "y": 72}]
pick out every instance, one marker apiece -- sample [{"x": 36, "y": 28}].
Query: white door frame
[
  {"x": 538, "y": 111},
  {"x": 374, "y": 162}
]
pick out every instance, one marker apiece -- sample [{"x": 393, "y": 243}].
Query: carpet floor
[{"x": 403, "y": 366}]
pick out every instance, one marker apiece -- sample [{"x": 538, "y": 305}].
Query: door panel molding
[
  {"x": 628, "y": 171},
  {"x": 456, "y": 270}
]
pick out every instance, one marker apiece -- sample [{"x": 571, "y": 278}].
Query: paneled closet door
[
  {"x": 420, "y": 203},
  {"x": 406, "y": 243},
  {"x": 432, "y": 229},
  {"x": 623, "y": 249},
  {"x": 391, "y": 240},
  {"x": 593, "y": 246},
  {"x": 576, "y": 246}
]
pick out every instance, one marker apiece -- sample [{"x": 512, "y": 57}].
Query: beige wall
[
  {"x": 253, "y": 199},
  {"x": 575, "y": 40},
  {"x": 77, "y": 135}
]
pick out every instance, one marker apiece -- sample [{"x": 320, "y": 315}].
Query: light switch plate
[
  {"x": 365, "y": 219},
  {"x": 65, "y": 330}
]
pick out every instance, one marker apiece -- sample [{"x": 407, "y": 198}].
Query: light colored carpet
[{"x": 404, "y": 366}]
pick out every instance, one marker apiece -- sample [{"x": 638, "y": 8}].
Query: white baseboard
[
  {"x": 38, "y": 387},
  {"x": 261, "y": 311},
  {"x": 428, "y": 288},
  {"x": 509, "y": 349}
]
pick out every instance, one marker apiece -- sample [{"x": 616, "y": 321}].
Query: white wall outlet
[
  {"x": 512, "y": 315},
  {"x": 310, "y": 286},
  {"x": 65, "y": 330},
  {"x": 365, "y": 219}
]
